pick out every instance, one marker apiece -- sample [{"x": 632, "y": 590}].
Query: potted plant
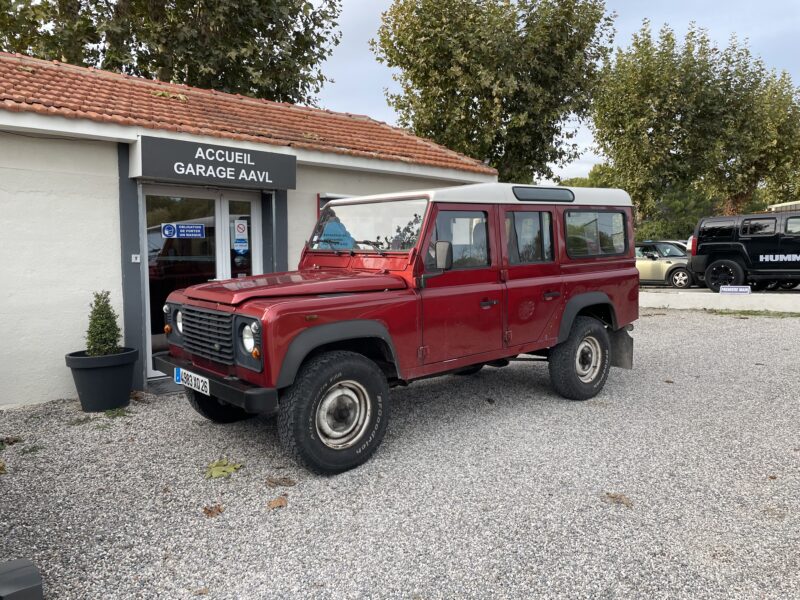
[{"x": 103, "y": 373}]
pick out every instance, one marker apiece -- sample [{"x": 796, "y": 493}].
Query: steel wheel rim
[
  {"x": 680, "y": 279},
  {"x": 588, "y": 359},
  {"x": 343, "y": 414}
]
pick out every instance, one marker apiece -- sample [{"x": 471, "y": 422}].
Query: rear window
[
  {"x": 717, "y": 230},
  {"x": 758, "y": 226},
  {"x": 595, "y": 233}
]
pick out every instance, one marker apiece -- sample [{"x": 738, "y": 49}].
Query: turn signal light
[
  {"x": 167, "y": 329},
  {"x": 255, "y": 353}
]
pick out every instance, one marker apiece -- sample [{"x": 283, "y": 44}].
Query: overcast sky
[{"x": 771, "y": 26}]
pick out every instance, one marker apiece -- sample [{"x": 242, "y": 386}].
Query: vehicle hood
[{"x": 295, "y": 283}]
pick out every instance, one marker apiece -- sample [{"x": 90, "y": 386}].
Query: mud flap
[{"x": 622, "y": 348}]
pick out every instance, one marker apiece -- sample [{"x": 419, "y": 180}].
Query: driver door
[{"x": 462, "y": 309}]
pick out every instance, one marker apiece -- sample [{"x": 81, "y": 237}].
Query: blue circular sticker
[{"x": 168, "y": 230}]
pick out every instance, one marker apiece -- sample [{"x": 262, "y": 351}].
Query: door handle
[
  {"x": 488, "y": 303},
  {"x": 551, "y": 295}
]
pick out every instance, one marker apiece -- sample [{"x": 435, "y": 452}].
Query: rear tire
[
  {"x": 334, "y": 416},
  {"x": 789, "y": 285},
  {"x": 680, "y": 278},
  {"x": 724, "y": 272},
  {"x": 215, "y": 410},
  {"x": 579, "y": 366}
]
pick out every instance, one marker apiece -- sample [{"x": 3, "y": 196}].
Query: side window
[
  {"x": 793, "y": 225},
  {"x": 467, "y": 231},
  {"x": 717, "y": 230},
  {"x": 639, "y": 252},
  {"x": 530, "y": 237},
  {"x": 595, "y": 233},
  {"x": 670, "y": 250},
  {"x": 758, "y": 226}
]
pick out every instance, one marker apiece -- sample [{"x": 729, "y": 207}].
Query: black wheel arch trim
[
  {"x": 310, "y": 339},
  {"x": 578, "y": 303}
]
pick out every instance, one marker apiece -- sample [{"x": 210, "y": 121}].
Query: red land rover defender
[{"x": 398, "y": 287}]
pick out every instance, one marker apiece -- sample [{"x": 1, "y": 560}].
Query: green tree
[
  {"x": 268, "y": 49},
  {"x": 687, "y": 120},
  {"x": 601, "y": 175},
  {"x": 501, "y": 81}
]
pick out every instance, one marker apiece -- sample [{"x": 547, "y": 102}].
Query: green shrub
[{"x": 103, "y": 335}]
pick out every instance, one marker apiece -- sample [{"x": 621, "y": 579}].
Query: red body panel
[{"x": 458, "y": 318}]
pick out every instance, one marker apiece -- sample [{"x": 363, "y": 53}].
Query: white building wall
[
  {"x": 302, "y": 202},
  {"x": 59, "y": 242}
]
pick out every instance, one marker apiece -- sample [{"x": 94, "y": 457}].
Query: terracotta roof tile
[{"x": 54, "y": 88}]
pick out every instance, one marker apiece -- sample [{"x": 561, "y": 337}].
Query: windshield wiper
[{"x": 375, "y": 246}]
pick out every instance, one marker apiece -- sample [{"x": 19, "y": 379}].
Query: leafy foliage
[
  {"x": 103, "y": 335},
  {"x": 221, "y": 468},
  {"x": 691, "y": 128},
  {"x": 269, "y": 49},
  {"x": 494, "y": 79}
]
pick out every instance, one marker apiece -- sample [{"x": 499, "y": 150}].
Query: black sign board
[{"x": 189, "y": 162}]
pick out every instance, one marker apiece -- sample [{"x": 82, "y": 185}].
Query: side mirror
[
  {"x": 652, "y": 256},
  {"x": 444, "y": 256}
]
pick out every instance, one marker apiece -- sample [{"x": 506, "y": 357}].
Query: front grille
[{"x": 208, "y": 333}]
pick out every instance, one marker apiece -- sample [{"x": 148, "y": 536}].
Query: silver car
[{"x": 662, "y": 263}]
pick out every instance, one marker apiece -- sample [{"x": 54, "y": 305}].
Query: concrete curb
[{"x": 703, "y": 299}]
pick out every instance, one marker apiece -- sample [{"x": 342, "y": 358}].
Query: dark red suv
[{"x": 395, "y": 288}]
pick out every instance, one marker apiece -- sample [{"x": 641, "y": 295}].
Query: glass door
[{"x": 196, "y": 235}]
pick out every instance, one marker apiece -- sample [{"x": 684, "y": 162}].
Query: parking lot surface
[{"x": 680, "y": 480}]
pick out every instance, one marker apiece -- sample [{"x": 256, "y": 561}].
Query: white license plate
[{"x": 192, "y": 381}]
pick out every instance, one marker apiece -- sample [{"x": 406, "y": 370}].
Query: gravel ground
[{"x": 680, "y": 480}]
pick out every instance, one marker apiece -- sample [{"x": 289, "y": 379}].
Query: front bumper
[{"x": 253, "y": 399}]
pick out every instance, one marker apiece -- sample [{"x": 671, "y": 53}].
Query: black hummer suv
[{"x": 759, "y": 249}]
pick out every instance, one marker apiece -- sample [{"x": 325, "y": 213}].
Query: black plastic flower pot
[{"x": 103, "y": 382}]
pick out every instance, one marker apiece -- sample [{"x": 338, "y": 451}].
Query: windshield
[{"x": 372, "y": 226}]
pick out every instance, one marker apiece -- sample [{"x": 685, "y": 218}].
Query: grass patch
[
  {"x": 79, "y": 421},
  {"x": 116, "y": 413},
  {"x": 727, "y": 312}
]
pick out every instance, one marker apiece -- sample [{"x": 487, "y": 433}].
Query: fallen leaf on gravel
[
  {"x": 668, "y": 381},
  {"x": 279, "y": 502},
  {"x": 222, "y": 468},
  {"x": 31, "y": 449},
  {"x": 3, "y": 468},
  {"x": 79, "y": 421},
  {"x": 760, "y": 364},
  {"x": 116, "y": 413},
  {"x": 203, "y": 591},
  {"x": 9, "y": 440},
  {"x": 274, "y": 482},
  {"x": 490, "y": 400},
  {"x": 772, "y": 477},
  {"x": 214, "y": 510},
  {"x": 617, "y": 498}
]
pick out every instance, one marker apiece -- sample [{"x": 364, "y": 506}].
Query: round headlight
[
  {"x": 248, "y": 339},
  {"x": 179, "y": 321}
]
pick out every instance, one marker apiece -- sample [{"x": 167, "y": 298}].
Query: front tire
[
  {"x": 789, "y": 285},
  {"x": 680, "y": 278},
  {"x": 724, "y": 272},
  {"x": 579, "y": 366},
  {"x": 334, "y": 416},
  {"x": 215, "y": 410}
]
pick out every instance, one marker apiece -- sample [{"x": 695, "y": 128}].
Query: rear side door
[
  {"x": 532, "y": 276},
  {"x": 759, "y": 236},
  {"x": 462, "y": 310},
  {"x": 790, "y": 243}
]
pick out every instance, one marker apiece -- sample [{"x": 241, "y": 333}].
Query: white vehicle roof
[{"x": 506, "y": 193}]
